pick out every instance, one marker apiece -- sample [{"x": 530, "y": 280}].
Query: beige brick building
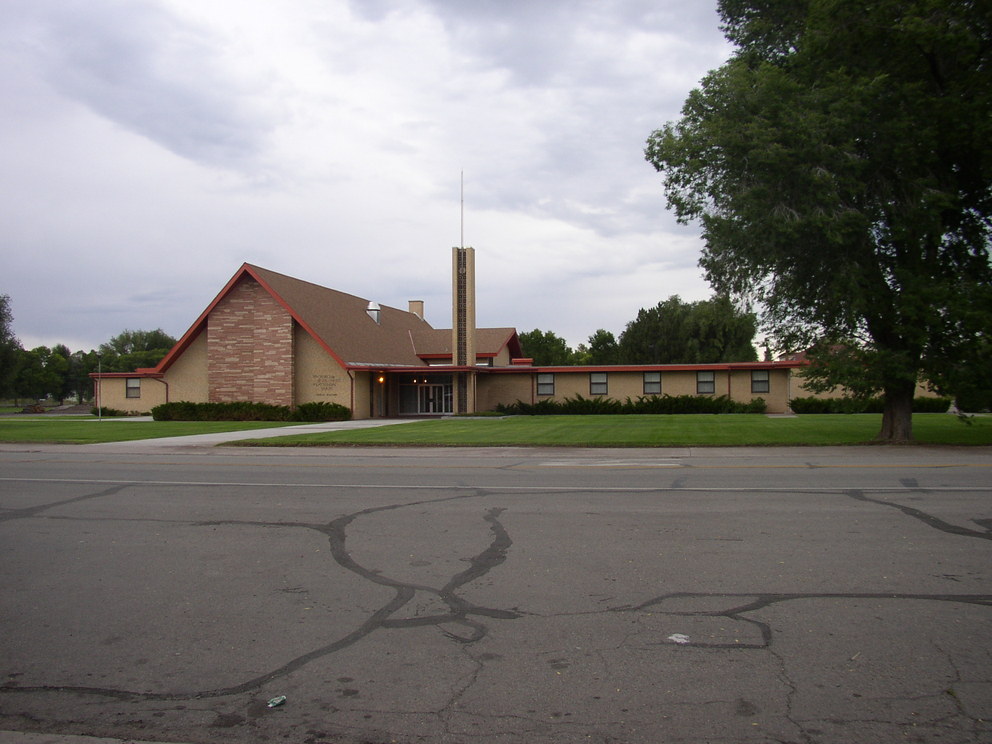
[{"x": 270, "y": 338}]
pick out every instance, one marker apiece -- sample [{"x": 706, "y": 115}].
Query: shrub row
[
  {"x": 974, "y": 401},
  {"x": 580, "y": 406},
  {"x": 863, "y": 405},
  {"x": 245, "y": 411},
  {"x": 111, "y": 412}
]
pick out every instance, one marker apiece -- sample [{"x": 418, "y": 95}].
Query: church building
[{"x": 270, "y": 338}]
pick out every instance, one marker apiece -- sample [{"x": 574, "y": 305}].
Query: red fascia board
[
  {"x": 516, "y": 347},
  {"x": 293, "y": 314},
  {"x": 728, "y": 366},
  {"x": 111, "y": 375},
  {"x": 478, "y": 354},
  {"x": 200, "y": 323},
  {"x": 434, "y": 369},
  {"x": 194, "y": 330}
]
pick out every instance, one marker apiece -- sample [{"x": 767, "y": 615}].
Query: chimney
[
  {"x": 417, "y": 308},
  {"x": 373, "y": 310}
]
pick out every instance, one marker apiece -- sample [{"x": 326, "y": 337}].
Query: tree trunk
[{"x": 897, "y": 416}]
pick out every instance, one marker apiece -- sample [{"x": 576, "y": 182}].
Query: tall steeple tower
[{"x": 463, "y": 326}]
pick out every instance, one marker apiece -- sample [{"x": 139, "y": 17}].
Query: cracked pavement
[{"x": 805, "y": 595}]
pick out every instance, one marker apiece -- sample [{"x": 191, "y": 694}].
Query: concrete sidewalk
[{"x": 208, "y": 440}]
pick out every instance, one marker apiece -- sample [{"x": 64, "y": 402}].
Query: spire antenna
[{"x": 463, "y": 210}]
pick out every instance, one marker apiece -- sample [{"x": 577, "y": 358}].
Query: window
[
  {"x": 759, "y": 381},
  {"x": 705, "y": 383},
  {"x": 598, "y": 384},
  {"x": 133, "y": 387},
  {"x": 545, "y": 383},
  {"x": 652, "y": 383}
]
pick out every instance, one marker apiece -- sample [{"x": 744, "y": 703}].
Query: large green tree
[
  {"x": 840, "y": 166},
  {"x": 546, "y": 348},
  {"x": 677, "y": 332},
  {"x": 10, "y": 348},
  {"x": 129, "y": 350},
  {"x": 603, "y": 348},
  {"x": 41, "y": 373}
]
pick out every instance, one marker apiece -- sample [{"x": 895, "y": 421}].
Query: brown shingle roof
[{"x": 340, "y": 323}]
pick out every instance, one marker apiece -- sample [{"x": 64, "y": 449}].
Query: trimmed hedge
[
  {"x": 247, "y": 411},
  {"x": 321, "y": 411},
  {"x": 974, "y": 401},
  {"x": 579, "y": 406},
  {"x": 863, "y": 405},
  {"x": 109, "y": 412}
]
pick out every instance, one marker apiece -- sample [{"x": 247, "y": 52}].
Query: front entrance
[
  {"x": 425, "y": 395},
  {"x": 434, "y": 400}
]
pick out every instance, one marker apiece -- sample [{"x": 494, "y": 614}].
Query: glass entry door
[
  {"x": 433, "y": 399},
  {"x": 427, "y": 395}
]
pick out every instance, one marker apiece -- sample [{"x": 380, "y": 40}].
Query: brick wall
[{"x": 250, "y": 347}]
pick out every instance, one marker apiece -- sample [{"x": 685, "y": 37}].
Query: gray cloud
[
  {"x": 151, "y": 146},
  {"x": 149, "y": 72}
]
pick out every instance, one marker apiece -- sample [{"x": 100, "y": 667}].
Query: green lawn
[
  {"x": 526, "y": 431},
  {"x": 646, "y": 431},
  {"x": 90, "y": 430}
]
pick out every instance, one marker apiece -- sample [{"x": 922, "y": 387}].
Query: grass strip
[
  {"x": 643, "y": 431},
  {"x": 90, "y": 430}
]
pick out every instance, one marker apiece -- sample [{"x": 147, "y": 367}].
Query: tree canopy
[
  {"x": 546, "y": 348},
  {"x": 130, "y": 350},
  {"x": 840, "y": 168},
  {"x": 59, "y": 373},
  {"x": 41, "y": 372},
  {"x": 10, "y": 347},
  {"x": 602, "y": 349},
  {"x": 677, "y": 332}
]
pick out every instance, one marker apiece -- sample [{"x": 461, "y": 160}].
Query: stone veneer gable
[{"x": 250, "y": 347}]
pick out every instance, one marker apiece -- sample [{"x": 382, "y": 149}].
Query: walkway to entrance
[{"x": 233, "y": 436}]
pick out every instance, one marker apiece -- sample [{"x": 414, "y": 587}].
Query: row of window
[
  {"x": 705, "y": 383},
  {"x": 598, "y": 383}
]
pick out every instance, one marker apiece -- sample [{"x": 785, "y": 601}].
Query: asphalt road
[{"x": 498, "y": 596}]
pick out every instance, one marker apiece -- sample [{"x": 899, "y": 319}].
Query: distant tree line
[
  {"x": 671, "y": 332},
  {"x": 58, "y": 373}
]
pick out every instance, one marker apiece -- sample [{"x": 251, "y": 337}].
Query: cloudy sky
[{"x": 150, "y": 147}]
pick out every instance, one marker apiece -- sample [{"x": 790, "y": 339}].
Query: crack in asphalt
[
  {"x": 760, "y": 601},
  {"x": 27, "y": 512},
  {"x": 336, "y": 532},
  {"x": 928, "y": 519},
  {"x": 469, "y": 617}
]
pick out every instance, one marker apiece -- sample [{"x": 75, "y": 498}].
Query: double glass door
[
  {"x": 428, "y": 395},
  {"x": 434, "y": 398}
]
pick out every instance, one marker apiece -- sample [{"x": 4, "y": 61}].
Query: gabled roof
[
  {"x": 340, "y": 324},
  {"x": 436, "y": 344}
]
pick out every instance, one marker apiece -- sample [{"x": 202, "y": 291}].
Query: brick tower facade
[{"x": 250, "y": 347}]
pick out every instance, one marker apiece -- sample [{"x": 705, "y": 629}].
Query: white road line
[{"x": 484, "y": 487}]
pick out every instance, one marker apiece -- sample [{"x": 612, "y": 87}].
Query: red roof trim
[
  {"x": 111, "y": 375},
  {"x": 515, "y": 350},
  {"x": 198, "y": 326},
  {"x": 726, "y": 366},
  {"x": 436, "y": 368},
  {"x": 194, "y": 330}
]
